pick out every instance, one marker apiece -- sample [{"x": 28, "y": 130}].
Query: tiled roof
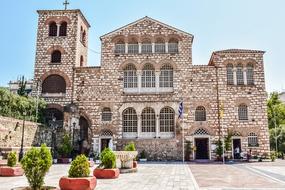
[{"x": 239, "y": 51}]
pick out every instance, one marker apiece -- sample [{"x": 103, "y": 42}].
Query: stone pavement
[{"x": 164, "y": 176}]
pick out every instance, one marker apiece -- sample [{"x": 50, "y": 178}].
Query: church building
[{"x": 146, "y": 71}]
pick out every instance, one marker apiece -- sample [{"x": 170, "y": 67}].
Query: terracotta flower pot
[
  {"x": 11, "y": 171},
  {"x": 84, "y": 183},
  {"x": 135, "y": 164},
  {"x": 106, "y": 173}
]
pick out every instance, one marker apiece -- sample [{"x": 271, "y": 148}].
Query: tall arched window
[
  {"x": 166, "y": 76},
  {"x": 52, "y": 29},
  {"x": 63, "y": 29},
  {"x": 56, "y": 56},
  {"x": 148, "y": 76},
  {"x": 148, "y": 120},
  {"x": 200, "y": 114},
  {"x": 130, "y": 122},
  {"x": 159, "y": 45},
  {"x": 146, "y": 46},
  {"x": 249, "y": 74},
  {"x": 166, "y": 120},
  {"x": 130, "y": 76},
  {"x": 230, "y": 74},
  {"x": 54, "y": 84},
  {"x": 106, "y": 114},
  {"x": 133, "y": 46},
  {"x": 242, "y": 112},
  {"x": 252, "y": 140},
  {"x": 173, "y": 45},
  {"x": 81, "y": 61},
  {"x": 84, "y": 38},
  {"x": 240, "y": 74}
]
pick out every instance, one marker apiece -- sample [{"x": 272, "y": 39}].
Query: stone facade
[{"x": 89, "y": 90}]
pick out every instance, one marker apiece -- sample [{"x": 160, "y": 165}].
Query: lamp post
[{"x": 22, "y": 141}]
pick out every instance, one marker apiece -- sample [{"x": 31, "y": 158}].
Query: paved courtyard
[{"x": 178, "y": 176}]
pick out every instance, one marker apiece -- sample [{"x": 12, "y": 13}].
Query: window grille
[
  {"x": 172, "y": 47},
  {"x": 230, "y": 74},
  {"x": 130, "y": 77},
  {"x": 159, "y": 47},
  {"x": 200, "y": 114},
  {"x": 249, "y": 74},
  {"x": 148, "y": 76},
  {"x": 146, "y": 48},
  {"x": 106, "y": 114},
  {"x": 166, "y": 120},
  {"x": 54, "y": 84},
  {"x": 63, "y": 29},
  {"x": 201, "y": 131},
  {"x": 130, "y": 120},
  {"x": 56, "y": 56},
  {"x": 120, "y": 48},
  {"x": 242, "y": 112},
  {"x": 240, "y": 75},
  {"x": 133, "y": 48},
  {"x": 53, "y": 29},
  {"x": 252, "y": 140},
  {"x": 166, "y": 76},
  {"x": 148, "y": 120}
]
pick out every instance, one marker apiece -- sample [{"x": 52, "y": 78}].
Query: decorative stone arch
[
  {"x": 148, "y": 61},
  {"x": 236, "y": 133},
  {"x": 127, "y": 62},
  {"x": 57, "y": 20},
  {"x": 56, "y": 47},
  {"x": 119, "y": 38},
  {"x": 167, "y": 61},
  {"x": 242, "y": 100},
  {"x": 160, "y": 39},
  {"x": 171, "y": 37},
  {"x": 56, "y": 72},
  {"x": 250, "y": 61},
  {"x": 56, "y": 110},
  {"x": 205, "y": 103},
  {"x": 146, "y": 39},
  {"x": 87, "y": 117},
  {"x": 193, "y": 129},
  {"x": 133, "y": 39},
  {"x": 56, "y": 106}
]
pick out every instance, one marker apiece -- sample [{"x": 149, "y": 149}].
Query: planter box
[
  {"x": 106, "y": 173},
  {"x": 11, "y": 171},
  {"x": 44, "y": 188},
  {"x": 84, "y": 183}
]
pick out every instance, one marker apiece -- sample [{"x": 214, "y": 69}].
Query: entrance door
[
  {"x": 236, "y": 148},
  {"x": 104, "y": 144},
  {"x": 202, "y": 148}
]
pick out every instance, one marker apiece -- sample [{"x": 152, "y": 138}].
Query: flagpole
[{"x": 183, "y": 151}]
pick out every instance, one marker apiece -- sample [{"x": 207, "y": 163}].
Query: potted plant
[
  {"x": 143, "y": 156},
  {"x": 65, "y": 150},
  {"x": 131, "y": 147},
  {"x": 78, "y": 176},
  {"x": 36, "y": 163},
  {"x": 11, "y": 169},
  {"x": 219, "y": 150},
  {"x": 107, "y": 169}
]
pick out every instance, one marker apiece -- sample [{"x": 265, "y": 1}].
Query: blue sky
[{"x": 216, "y": 25}]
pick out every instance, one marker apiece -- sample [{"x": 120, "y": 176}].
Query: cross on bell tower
[{"x": 65, "y": 3}]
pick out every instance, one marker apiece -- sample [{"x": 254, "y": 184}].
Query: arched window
[
  {"x": 51, "y": 114},
  {"x": 120, "y": 47},
  {"x": 63, "y": 29},
  {"x": 166, "y": 120},
  {"x": 148, "y": 120},
  {"x": 81, "y": 61},
  {"x": 130, "y": 76},
  {"x": 56, "y": 56},
  {"x": 52, "y": 29},
  {"x": 83, "y": 123},
  {"x": 173, "y": 45},
  {"x": 159, "y": 45},
  {"x": 166, "y": 76},
  {"x": 230, "y": 74},
  {"x": 249, "y": 74},
  {"x": 54, "y": 84},
  {"x": 133, "y": 46},
  {"x": 148, "y": 76},
  {"x": 146, "y": 46},
  {"x": 242, "y": 112},
  {"x": 84, "y": 38},
  {"x": 240, "y": 74},
  {"x": 130, "y": 121},
  {"x": 252, "y": 140},
  {"x": 200, "y": 114},
  {"x": 106, "y": 114}
]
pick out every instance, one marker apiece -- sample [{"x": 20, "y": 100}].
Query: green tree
[{"x": 22, "y": 87}]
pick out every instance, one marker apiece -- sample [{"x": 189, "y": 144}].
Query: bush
[
  {"x": 143, "y": 154},
  {"x": 219, "y": 148},
  {"x": 66, "y": 147},
  {"x": 79, "y": 167},
  {"x": 130, "y": 147},
  {"x": 36, "y": 163},
  {"x": 12, "y": 159},
  {"x": 273, "y": 156},
  {"x": 108, "y": 159}
]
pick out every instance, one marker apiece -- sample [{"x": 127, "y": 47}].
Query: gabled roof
[{"x": 143, "y": 19}]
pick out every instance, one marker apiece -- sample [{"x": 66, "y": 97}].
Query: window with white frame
[
  {"x": 159, "y": 46},
  {"x": 148, "y": 120},
  {"x": 133, "y": 48},
  {"x": 240, "y": 80},
  {"x": 252, "y": 140},
  {"x": 106, "y": 114},
  {"x": 166, "y": 76},
  {"x": 120, "y": 47},
  {"x": 130, "y": 76},
  {"x": 130, "y": 121},
  {"x": 166, "y": 120},
  {"x": 230, "y": 74},
  {"x": 200, "y": 114},
  {"x": 146, "y": 46},
  {"x": 242, "y": 112},
  {"x": 249, "y": 74},
  {"x": 173, "y": 46},
  {"x": 148, "y": 76}
]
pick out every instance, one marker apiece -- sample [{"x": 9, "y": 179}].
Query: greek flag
[{"x": 180, "y": 110}]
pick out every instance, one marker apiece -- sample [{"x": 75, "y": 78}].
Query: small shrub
[
  {"x": 108, "y": 159},
  {"x": 273, "y": 156},
  {"x": 143, "y": 154},
  {"x": 79, "y": 167},
  {"x": 36, "y": 163},
  {"x": 66, "y": 147},
  {"x": 130, "y": 147},
  {"x": 219, "y": 148},
  {"x": 12, "y": 159}
]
